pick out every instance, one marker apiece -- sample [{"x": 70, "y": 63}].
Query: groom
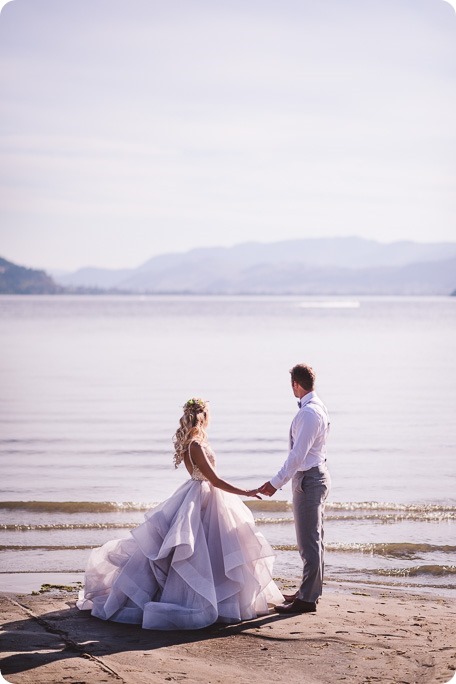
[{"x": 306, "y": 464}]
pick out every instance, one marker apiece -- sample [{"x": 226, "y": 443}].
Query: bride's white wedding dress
[{"x": 197, "y": 559}]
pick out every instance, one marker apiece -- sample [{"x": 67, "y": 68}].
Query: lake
[{"x": 91, "y": 390}]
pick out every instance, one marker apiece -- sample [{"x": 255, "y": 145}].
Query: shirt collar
[{"x": 305, "y": 399}]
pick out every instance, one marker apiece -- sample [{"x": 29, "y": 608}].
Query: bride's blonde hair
[{"x": 193, "y": 426}]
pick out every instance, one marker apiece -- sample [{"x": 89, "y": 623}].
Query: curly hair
[{"x": 193, "y": 426}]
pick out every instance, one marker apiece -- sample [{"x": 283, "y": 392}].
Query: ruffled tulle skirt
[{"x": 197, "y": 559}]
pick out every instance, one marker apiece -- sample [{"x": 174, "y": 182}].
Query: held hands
[
  {"x": 253, "y": 492},
  {"x": 267, "y": 489}
]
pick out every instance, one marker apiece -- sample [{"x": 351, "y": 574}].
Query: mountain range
[
  {"x": 348, "y": 265},
  {"x": 326, "y": 266}
]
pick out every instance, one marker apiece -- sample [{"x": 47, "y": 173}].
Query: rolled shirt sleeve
[{"x": 305, "y": 429}]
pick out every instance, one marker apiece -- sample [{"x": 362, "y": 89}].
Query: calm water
[{"x": 90, "y": 396}]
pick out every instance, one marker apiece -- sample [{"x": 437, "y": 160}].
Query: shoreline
[
  {"x": 26, "y": 582},
  {"x": 359, "y": 634}
]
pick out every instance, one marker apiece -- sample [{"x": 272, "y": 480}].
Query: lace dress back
[{"x": 196, "y": 472}]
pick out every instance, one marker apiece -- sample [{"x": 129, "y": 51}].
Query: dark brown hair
[{"x": 304, "y": 376}]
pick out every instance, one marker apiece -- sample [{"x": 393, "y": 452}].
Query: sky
[{"x": 130, "y": 129}]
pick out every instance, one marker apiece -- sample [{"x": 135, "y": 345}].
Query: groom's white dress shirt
[{"x": 307, "y": 439}]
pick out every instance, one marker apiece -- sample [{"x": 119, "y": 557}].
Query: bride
[{"x": 196, "y": 560}]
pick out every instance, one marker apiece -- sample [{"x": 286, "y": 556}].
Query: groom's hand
[{"x": 267, "y": 489}]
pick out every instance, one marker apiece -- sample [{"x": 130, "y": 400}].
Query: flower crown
[{"x": 195, "y": 405}]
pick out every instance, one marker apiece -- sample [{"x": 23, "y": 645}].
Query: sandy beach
[{"x": 358, "y": 635}]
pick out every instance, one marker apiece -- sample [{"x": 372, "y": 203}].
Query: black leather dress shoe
[
  {"x": 288, "y": 598},
  {"x": 295, "y": 607}
]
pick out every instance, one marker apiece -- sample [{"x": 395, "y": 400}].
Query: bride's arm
[{"x": 199, "y": 459}]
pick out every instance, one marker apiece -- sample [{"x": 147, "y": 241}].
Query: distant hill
[
  {"x": 19, "y": 280},
  {"x": 15, "y": 279},
  {"x": 348, "y": 265}
]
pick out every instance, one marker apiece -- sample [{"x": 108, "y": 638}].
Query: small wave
[
  {"x": 269, "y": 505},
  {"x": 389, "y": 511},
  {"x": 110, "y": 526},
  {"x": 75, "y": 547},
  {"x": 274, "y": 521},
  {"x": 403, "y": 550},
  {"x": 69, "y": 526},
  {"x": 76, "y": 506},
  {"x": 121, "y": 506},
  {"x": 380, "y": 517},
  {"x": 284, "y": 547},
  {"x": 263, "y": 520},
  {"x": 435, "y": 570},
  {"x": 388, "y": 506},
  {"x": 40, "y": 571},
  {"x": 392, "y": 549},
  {"x": 334, "y": 510}
]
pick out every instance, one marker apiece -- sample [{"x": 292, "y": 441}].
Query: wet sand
[{"x": 358, "y": 635}]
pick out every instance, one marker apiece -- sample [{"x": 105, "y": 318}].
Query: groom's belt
[{"x": 320, "y": 465}]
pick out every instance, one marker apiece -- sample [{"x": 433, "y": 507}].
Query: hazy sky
[{"x": 132, "y": 128}]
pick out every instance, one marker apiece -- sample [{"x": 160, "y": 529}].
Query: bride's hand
[{"x": 253, "y": 492}]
